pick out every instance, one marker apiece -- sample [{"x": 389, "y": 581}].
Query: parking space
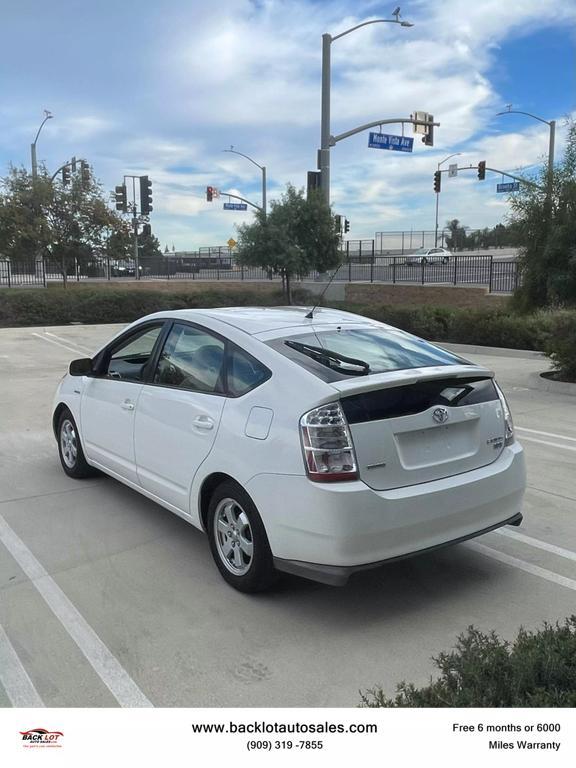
[{"x": 107, "y": 599}]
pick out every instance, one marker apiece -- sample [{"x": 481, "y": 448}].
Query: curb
[
  {"x": 549, "y": 385},
  {"x": 501, "y": 351}
]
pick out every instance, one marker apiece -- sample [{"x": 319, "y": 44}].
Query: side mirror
[{"x": 81, "y": 367}]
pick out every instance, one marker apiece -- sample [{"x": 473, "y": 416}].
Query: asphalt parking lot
[{"x": 107, "y": 599}]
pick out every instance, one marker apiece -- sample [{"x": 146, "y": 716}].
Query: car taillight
[
  {"x": 508, "y": 423},
  {"x": 327, "y": 443}
]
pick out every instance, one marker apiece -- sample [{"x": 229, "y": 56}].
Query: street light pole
[
  {"x": 262, "y": 169},
  {"x": 438, "y": 198},
  {"x": 49, "y": 116},
  {"x": 551, "y": 141},
  {"x": 327, "y": 40}
]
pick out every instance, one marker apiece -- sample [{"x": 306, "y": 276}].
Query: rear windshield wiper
[{"x": 330, "y": 359}]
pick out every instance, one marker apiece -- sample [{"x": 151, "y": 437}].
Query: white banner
[{"x": 171, "y": 738}]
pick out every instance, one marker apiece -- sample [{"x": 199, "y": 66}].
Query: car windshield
[
  {"x": 380, "y": 350},
  {"x": 421, "y": 250}
]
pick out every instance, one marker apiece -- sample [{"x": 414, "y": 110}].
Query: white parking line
[
  {"x": 515, "y": 562},
  {"x": 538, "y": 543},
  {"x": 546, "y": 434},
  {"x": 68, "y": 341},
  {"x": 102, "y": 661},
  {"x": 57, "y": 343},
  {"x": 14, "y": 678},
  {"x": 547, "y": 442}
]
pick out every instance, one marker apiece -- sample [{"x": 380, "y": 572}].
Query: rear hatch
[{"x": 415, "y": 426}]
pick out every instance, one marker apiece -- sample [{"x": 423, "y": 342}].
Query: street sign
[
  {"x": 509, "y": 186},
  {"x": 232, "y": 243},
  {"x": 453, "y": 170},
  {"x": 235, "y": 207},
  {"x": 387, "y": 141}
]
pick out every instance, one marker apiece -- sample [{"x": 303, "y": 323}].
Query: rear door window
[{"x": 192, "y": 359}]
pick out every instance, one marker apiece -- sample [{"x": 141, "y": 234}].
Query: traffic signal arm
[
  {"x": 493, "y": 170},
  {"x": 335, "y": 139}
]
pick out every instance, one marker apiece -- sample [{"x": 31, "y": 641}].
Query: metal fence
[{"x": 360, "y": 263}]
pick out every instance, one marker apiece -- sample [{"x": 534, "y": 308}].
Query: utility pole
[
  {"x": 262, "y": 169},
  {"x": 325, "y": 143},
  {"x": 551, "y": 141},
  {"x": 456, "y": 154},
  {"x": 135, "y": 230},
  {"x": 48, "y": 116}
]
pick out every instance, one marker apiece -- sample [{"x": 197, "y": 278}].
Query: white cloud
[{"x": 248, "y": 73}]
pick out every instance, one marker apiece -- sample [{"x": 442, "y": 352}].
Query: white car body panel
[
  {"x": 107, "y": 414},
  {"x": 174, "y": 432},
  {"x": 160, "y": 450}
]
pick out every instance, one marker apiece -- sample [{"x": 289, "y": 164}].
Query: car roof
[{"x": 254, "y": 320}]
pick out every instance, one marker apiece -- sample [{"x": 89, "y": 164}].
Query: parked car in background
[
  {"x": 126, "y": 268},
  {"x": 317, "y": 443},
  {"x": 428, "y": 256}
]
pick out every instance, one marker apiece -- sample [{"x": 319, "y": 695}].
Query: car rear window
[{"x": 383, "y": 350}]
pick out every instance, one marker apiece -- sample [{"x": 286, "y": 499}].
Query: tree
[
  {"x": 547, "y": 233},
  {"x": 297, "y": 236},
  {"x": 457, "y": 237},
  {"x": 43, "y": 218},
  {"x": 149, "y": 247}
]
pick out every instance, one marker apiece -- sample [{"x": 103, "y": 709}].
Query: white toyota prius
[{"x": 317, "y": 443}]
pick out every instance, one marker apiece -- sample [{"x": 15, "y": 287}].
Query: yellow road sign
[{"x": 232, "y": 243}]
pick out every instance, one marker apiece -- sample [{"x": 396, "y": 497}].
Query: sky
[{"x": 162, "y": 88}]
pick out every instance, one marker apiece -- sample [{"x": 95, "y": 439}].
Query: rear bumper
[
  {"x": 338, "y": 575},
  {"x": 350, "y": 526}
]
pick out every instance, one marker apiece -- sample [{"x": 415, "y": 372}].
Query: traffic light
[
  {"x": 147, "y": 230},
  {"x": 437, "y": 181},
  {"x": 84, "y": 173},
  {"x": 481, "y": 170},
  {"x": 338, "y": 222},
  {"x": 209, "y": 194},
  {"x": 73, "y": 165},
  {"x": 145, "y": 195},
  {"x": 65, "y": 176},
  {"x": 121, "y": 198},
  {"x": 428, "y": 137},
  {"x": 346, "y": 225}
]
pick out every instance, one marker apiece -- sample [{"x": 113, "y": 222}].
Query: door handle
[
  {"x": 203, "y": 422},
  {"x": 127, "y": 405}
]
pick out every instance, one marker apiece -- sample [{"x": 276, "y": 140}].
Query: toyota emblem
[{"x": 440, "y": 415}]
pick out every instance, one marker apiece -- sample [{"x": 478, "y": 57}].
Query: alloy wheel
[
  {"x": 68, "y": 443},
  {"x": 233, "y": 536}
]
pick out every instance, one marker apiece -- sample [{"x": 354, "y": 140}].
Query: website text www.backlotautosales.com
[{"x": 275, "y": 728}]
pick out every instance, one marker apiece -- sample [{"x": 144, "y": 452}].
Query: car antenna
[{"x": 310, "y": 315}]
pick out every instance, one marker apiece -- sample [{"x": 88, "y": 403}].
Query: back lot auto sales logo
[{"x": 40, "y": 737}]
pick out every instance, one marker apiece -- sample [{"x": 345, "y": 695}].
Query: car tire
[
  {"x": 424, "y": 260},
  {"x": 445, "y": 260},
  {"x": 238, "y": 540},
  {"x": 70, "y": 450}
]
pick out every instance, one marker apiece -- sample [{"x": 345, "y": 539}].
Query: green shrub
[
  {"x": 537, "y": 670},
  {"x": 58, "y": 306},
  {"x": 484, "y": 327},
  {"x": 560, "y": 343}
]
